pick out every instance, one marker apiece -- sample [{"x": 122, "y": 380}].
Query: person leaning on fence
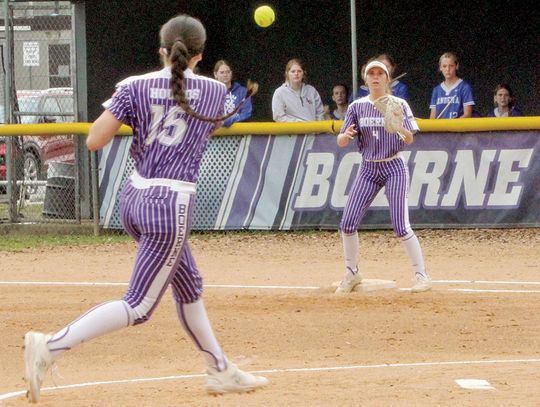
[
  {"x": 235, "y": 94},
  {"x": 398, "y": 88},
  {"x": 169, "y": 138},
  {"x": 382, "y": 166},
  {"x": 453, "y": 98},
  {"x": 295, "y": 100},
  {"x": 340, "y": 96},
  {"x": 504, "y": 102}
]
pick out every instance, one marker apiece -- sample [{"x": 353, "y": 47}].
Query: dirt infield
[{"x": 270, "y": 299}]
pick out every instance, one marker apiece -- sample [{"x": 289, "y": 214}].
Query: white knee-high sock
[
  {"x": 351, "y": 245},
  {"x": 196, "y": 323},
  {"x": 100, "y": 320},
  {"x": 412, "y": 246}
]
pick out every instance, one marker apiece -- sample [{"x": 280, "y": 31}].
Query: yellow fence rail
[{"x": 325, "y": 126}]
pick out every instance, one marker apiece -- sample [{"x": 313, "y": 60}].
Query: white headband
[{"x": 376, "y": 64}]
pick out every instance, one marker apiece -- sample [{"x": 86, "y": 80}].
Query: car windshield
[
  {"x": 28, "y": 105},
  {"x": 66, "y": 104}
]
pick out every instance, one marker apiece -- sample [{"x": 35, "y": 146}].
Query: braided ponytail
[
  {"x": 183, "y": 37},
  {"x": 179, "y": 60}
]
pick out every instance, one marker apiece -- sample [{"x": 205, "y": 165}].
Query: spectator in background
[
  {"x": 398, "y": 88},
  {"x": 504, "y": 101},
  {"x": 235, "y": 94},
  {"x": 340, "y": 95},
  {"x": 295, "y": 100},
  {"x": 452, "y": 98}
]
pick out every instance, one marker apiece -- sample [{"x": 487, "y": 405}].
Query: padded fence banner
[{"x": 484, "y": 179}]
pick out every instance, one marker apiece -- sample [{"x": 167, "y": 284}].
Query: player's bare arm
[
  {"x": 467, "y": 111},
  {"x": 407, "y": 135},
  {"x": 349, "y": 134},
  {"x": 102, "y": 131}
]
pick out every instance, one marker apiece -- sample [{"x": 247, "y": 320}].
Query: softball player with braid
[
  {"x": 172, "y": 112},
  {"x": 382, "y": 166}
]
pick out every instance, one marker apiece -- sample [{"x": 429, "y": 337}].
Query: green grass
[
  {"x": 14, "y": 242},
  {"x": 19, "y": 241}
]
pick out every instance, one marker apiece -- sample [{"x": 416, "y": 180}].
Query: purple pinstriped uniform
[
  {"x": 376, "y": 144},
  {"x": 168, "y": 144}
]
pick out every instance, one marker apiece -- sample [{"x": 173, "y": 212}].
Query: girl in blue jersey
[
  {"x": 382, "y": 166},
  {"x": 452, "y": 98},
  {"x": 504, "y": 101},
  {"x": 236, "y": 93},
  {"x": 172, "y": 112}
]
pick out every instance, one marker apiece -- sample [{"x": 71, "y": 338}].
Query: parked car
[
  {"x": 2, "y": 161},
  {"x": 53, "y": 105}
]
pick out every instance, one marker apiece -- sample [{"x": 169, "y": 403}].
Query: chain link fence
[{"x": 38, "y": 173}]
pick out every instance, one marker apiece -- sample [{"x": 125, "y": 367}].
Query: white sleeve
[
  {"x": 319, "y": 107},
  {"x": 278, "y": 107}
]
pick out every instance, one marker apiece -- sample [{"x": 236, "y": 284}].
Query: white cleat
[
  {"x": 350, "y": 281},
  {"x": 423, "y": 283},
  {"x": 37, "y": 360},
  {"x": 232, "y": 380}
]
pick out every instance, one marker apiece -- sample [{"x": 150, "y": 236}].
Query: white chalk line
[
  {"x": 18, "y": 393},
  {"x": 85, "y": 283},
  {"x": 67, "y": 283},
  {"x": 471, "y": 290},
  {"x": 486, "y": 282},
  {"x": 89, "y": 384},
  {"x": 290, "y": 287}
]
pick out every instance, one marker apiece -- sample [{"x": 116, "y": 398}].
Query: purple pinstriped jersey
[
  {"x": 167, "y": 142},
  {"x": 373, "y": 141}
]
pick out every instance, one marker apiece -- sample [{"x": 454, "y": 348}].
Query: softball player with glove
[
  {"x": 381, "y": 131},
  {"x": 172, "y": 112}
]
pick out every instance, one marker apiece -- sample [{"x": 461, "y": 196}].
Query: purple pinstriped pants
[
  {"x": 159, "y": 219},
  {"x": 371, "y": 177}
]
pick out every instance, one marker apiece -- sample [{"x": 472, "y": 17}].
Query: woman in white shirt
[{"x": 295, "y": 100}]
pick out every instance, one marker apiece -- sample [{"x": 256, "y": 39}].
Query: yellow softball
[{"x": 264, "y": 16}]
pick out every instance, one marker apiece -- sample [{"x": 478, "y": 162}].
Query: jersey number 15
[{"x": 167, "y": 128}]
